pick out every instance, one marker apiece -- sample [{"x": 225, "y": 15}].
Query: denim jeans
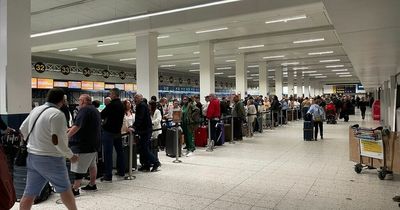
[{"x": 111, "y": 140}]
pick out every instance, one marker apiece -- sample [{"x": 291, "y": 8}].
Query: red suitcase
[{"x": 200, "y": 137}]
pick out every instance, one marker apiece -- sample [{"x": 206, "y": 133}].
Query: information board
[
  {"x": 34, "y": 83},
  {"x": 372, "y": 148},
  {"x": 98, "y": 85},
  {"x": 87, "y": 85},
  {"x": 74, "y": 85},
  {"x": 44, "y": 83},
  {"x": 60, "y": 84}
]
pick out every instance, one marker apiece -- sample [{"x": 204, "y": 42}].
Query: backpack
[
  {"x": 7, "y": 191},
  {"x": 318, "y": 115}
]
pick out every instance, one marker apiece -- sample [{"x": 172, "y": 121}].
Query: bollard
[
  {"x": 177, "y": 147},
  {"x": 232, "y": 131},
  {"x": 130, "y": 176}
]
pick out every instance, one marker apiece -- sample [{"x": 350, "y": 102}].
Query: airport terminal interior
[{"x": 263, "y": 104}]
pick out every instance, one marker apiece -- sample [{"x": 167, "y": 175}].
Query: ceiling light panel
[
  {"x": 163, "y": 56},
  {"x": 328, "y": 61},
  {"x": 194, "y": 70},
  {"x": 163, "y": 37},
  {"x": 320, "y": 77},
  {"x": 290, "y": 63},
  {"x": 232, "y": 76},
  {"x": 193, "y": 64},
  {"x": 320, "y": 53},
  {"x": 309, "y": 72},
  {"x": 224, "y": 68},
  {"x": 251, "y": 47},
  {"x": 345, "y": 75},
  {"x": 196, "y": 52},
  {"x": 212, "y": 30},
  {"x": 300, "y": 68},
  {"x": 127, "y": 59},
  {"x": 68, "y": 49},
  {"x": 230, "y": 61},
  {"x": 285, "y": 20},
  {"x": 334, "y": 66},
  {"x": 167, "y": 65},
  {"x": 253, "y": 66},
  {"x": 338, "y": 70},
  {"x": 309, "y": 40},
  {"x": 107, "y": 44},
  {"x": 342, "y": 73},
  {"x": 218, "y": 73},
  {"x": 274, "y": 56}
]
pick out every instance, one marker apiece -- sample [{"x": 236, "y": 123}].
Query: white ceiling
[{"x": 246, "y": 27}]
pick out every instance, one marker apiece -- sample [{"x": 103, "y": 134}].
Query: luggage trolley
[{"x": 371, "y": 145}]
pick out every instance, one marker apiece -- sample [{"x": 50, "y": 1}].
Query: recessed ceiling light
[
  {"x": 327, "y": 61},
  {"x": 193, "y": 64},
  {"x": 136, "y": 17},
  {"x": 313, "y": 75},
  {"x": 285, "y": 20},
  {"x": 163, "y": 56},
  {"x": 107, "y": 44},
  {"x": 253, "y": 66},
  {"x": 292, "y": 63},
  {"x": 338, "y": 70},
  {"x": 274, "y": 56},
  {"x": 167, "y": 65},
  {"x": 271, "y": 69},
  {"x": 309, "y": 72},
  {"x": 68, "y": 49},
  {"x": 127, "y": 59},
  {"x": 250, "y": 47},
  {"x": 300, "y": 68},
  {"x": 163, "y": 36},
  {"x": 194, "y": 70},
  {"x": 320, "y": 77},
  {"x": 232, "y": 76},
  {"x": 218, "y": 73},
  {"x": 320, "y": 53},
  {"x": 334, "y": 66},
  {"x": 212, "y": 30},
  {"x": 196, "y": 52},
  {"x": 345, "y": 75},
  {"x": 224, "y": 68},
  {"x": 229, "y": 61},
  {"x": 254, "y": 75},
  {"x": 308, "y": 40}
]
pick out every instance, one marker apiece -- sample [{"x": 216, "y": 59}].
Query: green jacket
[{"x": 238, "y": 110}]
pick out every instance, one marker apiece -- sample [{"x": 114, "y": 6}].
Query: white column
[
  {"x": 146, "y": 64},
  {"x": 312, "y": 88},
  {"x": 15, "y": 60},
  {"x": 392, "y": 106},
  {"x": 290, "y": 83},
  {"x": 279, "y": 82},
  {"x": 385, "y": 103},
  {"x": 207, "y": 77},
  {"x": 241, "y": 75},
  {"x": 306, "y": 86},
  {"x": 263, "y": 78}
]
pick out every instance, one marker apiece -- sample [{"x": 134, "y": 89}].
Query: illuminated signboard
[
  {"x": 87, "y": 85},
  {"x": 129, "y": 87},
  {"x": 34, "y": 83},
  {"x": 109, "y": 86},
  {"x": 120, "y": 86},
  {"x": 60, "y": 84},
  {"x": 44, "y": 83},
  {"x": 98, "y": 85},
  {"x": 74, "y": 85}
]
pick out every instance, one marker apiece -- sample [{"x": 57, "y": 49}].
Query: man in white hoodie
[{"x": 46, "y": 129}]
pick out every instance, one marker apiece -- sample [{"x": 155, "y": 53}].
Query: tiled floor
[{"x": 273, "y": 170}]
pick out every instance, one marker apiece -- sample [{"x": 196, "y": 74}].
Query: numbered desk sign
[
  {"x": 371, "y": 148},
  {"x": 40, "y": 67},
  {"x": 65, "y": 69}
]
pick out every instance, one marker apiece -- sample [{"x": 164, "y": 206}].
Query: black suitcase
[
  {"x": 125, "y": 148},
  {"x": 308, "y": 130},
  {"x": 170, "y": 143}
]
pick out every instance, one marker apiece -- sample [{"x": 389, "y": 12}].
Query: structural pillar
[
  {"x": 263, "y": 78},
  {"x": 279, "y": 82},
  {"x": 15, "y": 61},
  {"x": 241, "y": 76},
  {"x": 385, "y": 103},
  {"x": 290, "y": 83},
  {"x": 306, "y": 86},
  {"x": 146, "y": 64},
  {"x": 207, "y": 77},
  {"x": 392, "y": 106}
]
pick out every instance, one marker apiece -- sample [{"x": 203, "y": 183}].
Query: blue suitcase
[{"x": 308, "y": 130}]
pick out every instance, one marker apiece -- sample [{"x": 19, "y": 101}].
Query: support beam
[
  {"x": 207, "y": 77},
  {"x": 146, "y": 64},
  {"x": 241, "y": 76}
]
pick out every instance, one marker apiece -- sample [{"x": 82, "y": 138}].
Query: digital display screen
[
  {"x": 87, "y": 85},
  {"x": 60, "y": 84},
  {"x": 98, "y": 85},
  {"x": 34, "y": 83},
  {"x": 44, "y": 83},
  {"x": 74, "y": 85},
  {"x": 129, "y": 87},
  {"x": 109, "y": 86},
  {"x": 120, "y": 86}
]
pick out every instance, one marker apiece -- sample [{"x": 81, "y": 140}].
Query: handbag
[{"x": 22, "y": 153}]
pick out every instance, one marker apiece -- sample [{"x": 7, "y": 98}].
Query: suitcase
[
  {"x": 200, "y": 136},
  {"x": 170, "y": 144},
  {"x": 228, "y": 132},
  {"x": 125, "y": 148},
  {"x": 308, "y": 131},
  {"x": 245, "y": 130},
  {"x": 220, "y": 134}
]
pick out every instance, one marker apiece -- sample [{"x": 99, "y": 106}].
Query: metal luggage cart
[{"x": 372, "y": 146}]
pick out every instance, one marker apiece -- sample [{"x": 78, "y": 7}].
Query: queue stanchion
[
  {"x": 232, "y": 132},
  {"x": 177, "y": 146},
  {"x": 272, "y": 113},
  {"x": 210, "y": 141},
  {"x": 130, "y": 175},
  {"x": 293, "y": 114},
  {"x": 281, "y": 117}
]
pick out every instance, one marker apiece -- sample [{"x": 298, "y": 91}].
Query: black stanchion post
[
  {"x": 232, "y": 132},
  {"x": 210, "y": 141},
  {"x": 130, "y": 173},
  {"x": 177, "y": 147}
]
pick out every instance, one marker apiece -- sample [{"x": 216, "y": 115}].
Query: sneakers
[
  {"x": 89, "y": 188},
  {"x": 155, "y": 167},
  {"x": 105, "y": 180},
  {"x": 76, "y": 192},
  {"x": 144, "y": 168},
  {"x": 396, "y": 198},
  {"x": 188, "y": 154}
]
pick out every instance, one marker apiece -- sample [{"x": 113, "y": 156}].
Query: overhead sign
[
  {"x": 40, "y": 67},
  {"x": 60, "y": 84},
  {"x": 98, "y": 85},
  {"x": 44, "y": 83},
  {"x": 87, "y": 85},
  {"x": 74, "y": 85},
  {"x": 34, "y": 83}
]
